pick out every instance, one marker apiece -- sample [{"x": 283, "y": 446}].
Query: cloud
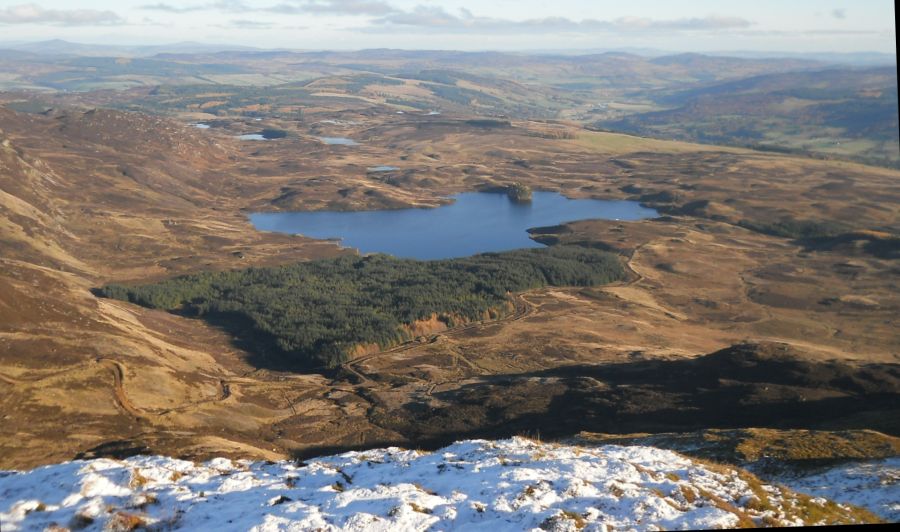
[
  {"x": 428, "y": 18},
  {"x": 424, "y": 18},
  {"x": 842, "y": 32},
  {"x": 286, "y": 7},
  {"x": 229, "y": 6},
  {"x": 35, "y": 14},
  {"x": 340, "y": 7},
  {"x": 245, "y": 24},
  {"x": 170, "y": 8},
  {"x": 710, "y": 23},
  {"x": 839, "y": 13}
]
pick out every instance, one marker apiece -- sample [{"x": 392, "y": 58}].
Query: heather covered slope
[
  {"x": 514, "y": 484},
  {"x": 91, "y": 198}
]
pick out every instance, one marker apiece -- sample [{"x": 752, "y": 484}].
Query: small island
[{"x": 519, "y": 192}]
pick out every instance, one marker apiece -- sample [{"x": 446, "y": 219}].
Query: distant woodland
[{"x": 312, "y": 314}]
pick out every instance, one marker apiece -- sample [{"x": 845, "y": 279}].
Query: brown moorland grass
[{"x": 100, "y": 196}]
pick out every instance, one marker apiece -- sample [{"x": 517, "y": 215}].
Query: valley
[
  {"x": 146, "y": 308},
  {"x": 169, "y": 199}
]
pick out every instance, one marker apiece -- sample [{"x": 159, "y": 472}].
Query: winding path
[
  {"x": 523, "y": 308},
  {"x": 119, "y": 396},
  {"x": 9, "y": 380},
  {"x": 122, "y": 400}
]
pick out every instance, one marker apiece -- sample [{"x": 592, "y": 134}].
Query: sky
[{"x": 671, "y": 25}]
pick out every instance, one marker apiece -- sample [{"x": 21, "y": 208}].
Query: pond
[
  {"x": 382, "y": 168},
  {"x": 266, "y": 134},
  {"x": 340, "y": 141},
  {"x": 476, "y": 222}
]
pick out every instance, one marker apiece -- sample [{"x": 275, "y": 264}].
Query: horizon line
[{"x": 243, "y": 47}]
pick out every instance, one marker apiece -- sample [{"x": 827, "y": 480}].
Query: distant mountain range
[
  {"x": 63, "y": 47},
  {"x": 838, "y": 58},
  {"x": 835, "y": 105}
]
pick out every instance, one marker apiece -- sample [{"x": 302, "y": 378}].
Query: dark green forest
[{"x": 311, "y": 314}]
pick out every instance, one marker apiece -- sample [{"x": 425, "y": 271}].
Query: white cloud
[
  {"x": 385, "y": 18},
  {"x": 286, "y": 7},
  {"x": 168, "y": 8},
  {"x": 244, "y": 24},
  {"x": 343, "y": 7},
  {"x": 35, "y": 14},
  {"x": 228, "y": 6},
  {"x": 428, "y": 18}
]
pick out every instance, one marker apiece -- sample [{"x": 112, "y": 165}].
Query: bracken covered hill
[{"x": 104, "y": 191}]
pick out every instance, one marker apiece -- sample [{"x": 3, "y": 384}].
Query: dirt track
[
  {"x": 120, "y": 397},
  {"x": 523, "y": 308},
  {"x": 122, "y": 401}
]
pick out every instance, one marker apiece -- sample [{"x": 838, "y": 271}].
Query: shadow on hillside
[
  {"x": 881, "y": 246},
  {"x": 261, "y": 347},
  {"x": 764, "y": 385}
]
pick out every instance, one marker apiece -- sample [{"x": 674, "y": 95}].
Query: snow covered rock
[{"x": 514, "y": 484}]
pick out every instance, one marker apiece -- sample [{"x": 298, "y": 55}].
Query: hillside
[
  {"x": 44, "y": 67},
  {"x": 94, "y": 197},
  {"x": 541, "y": 275},
  {"x": 282, "y": 83},
  {"x": 514, "y": 484},
  {"x": 837, "y": 112},
  {"x": 784, "y": 104}
]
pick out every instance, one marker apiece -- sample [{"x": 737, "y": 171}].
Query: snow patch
[
  {"x": 514, "y": 484},
  {"x": 874, "y": 485}
]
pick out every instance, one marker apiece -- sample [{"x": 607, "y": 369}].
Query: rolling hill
[{"x": 836, "y": 112}]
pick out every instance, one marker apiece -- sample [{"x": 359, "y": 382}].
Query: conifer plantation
[{"x": 310, "y": 314}]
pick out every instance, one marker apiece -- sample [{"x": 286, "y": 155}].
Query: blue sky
[{"x": 696, "y": 25}]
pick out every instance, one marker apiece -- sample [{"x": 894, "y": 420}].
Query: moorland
[{"x": 763, "y": 296}]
